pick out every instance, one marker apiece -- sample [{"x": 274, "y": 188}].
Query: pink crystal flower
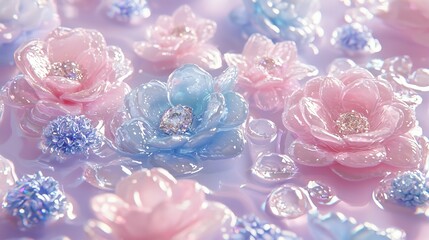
[
  {"x": 179, "y": 39},
  {"x": 73, "y": 72},
  {"x": 268, "y": 72},
  {"x": 354, "y": 123},
  {"x": 151, "y": 204},
  {"x": 409, "y": 16}
]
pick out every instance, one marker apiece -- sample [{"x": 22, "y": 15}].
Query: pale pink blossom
[
  {"x": 411, "y": 17},
  {"x": 179, "y": 39},
  {"x": 268, "y": 71},
  {"x": 353, "y": 123},
  {"x": 152, "y": 204},
  {"x": 73, "y": 72}
]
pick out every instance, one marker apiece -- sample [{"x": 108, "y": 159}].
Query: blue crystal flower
[
  {"x": 69, "y": 135},
  {"x": 34, "y": 200},
  {"x": 130, "y": 11},
  {"x": 251, "y": 228},
  {"x": 192, "y": 114},
  {"x": 409, "y": 189},
  {"x": 355, "y": 38},
  {"x": 294, "y": 20},
  {"x": 336, "y": 226}
]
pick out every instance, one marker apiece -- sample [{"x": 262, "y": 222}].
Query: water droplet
[
  {"x": 106, "y": 176},
  {"x": 288, "y": 201},
  {"x": 321, "y": 193},
  {"x": 273, "y": 167},
  {"x": 177, "y": 164},
  {"x": 261, "y": 131}
]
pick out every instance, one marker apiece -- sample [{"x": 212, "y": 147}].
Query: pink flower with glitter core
[
  {"x": 353, "y": 123},
  {"x": 73, "y": 72},
  {"x": 179, "y": 39},
  {"x": 152, "y": 204},
  {"x": 409, "y": 16},
  {"x": 268, "y": 71}
]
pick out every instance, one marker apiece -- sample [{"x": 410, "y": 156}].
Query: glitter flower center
[
  {"x": 269, "y": 63},
  {"x": 182, "y": 31},
  {"x": 176, "y": 120},
  {"x": 352, "y": 123},
  {"x": 68, "y": 69}
]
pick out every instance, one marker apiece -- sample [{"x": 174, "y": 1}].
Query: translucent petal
[{"x": 224, "y": 145}]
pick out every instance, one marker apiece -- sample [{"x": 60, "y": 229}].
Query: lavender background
[{"x": 231, "y": 179}]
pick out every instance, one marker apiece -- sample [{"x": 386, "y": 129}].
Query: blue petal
[
  {"x": 133, "y": 135},
  {"x": 199, "y": 139},
  {"x": 366, "y": 232},
  {"x": 188, "y": 86},
  {"x": 332, "y": 226},
  {"x": 215, "y": 110},
  {"x": 168, "y": 142},
  {"x": 227, "y": 80},
  {"x": 237, "y": 108},
  {"x": 224, "y": 145},
  {"x": 148, "y": 101}
]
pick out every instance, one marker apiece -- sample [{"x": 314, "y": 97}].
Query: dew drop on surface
[
  {"x": 261, "y": 131},
  {"x": 288, "y": 201},
  {"x": 273, "y": 167},
  {"x": 321, "y": 193}
]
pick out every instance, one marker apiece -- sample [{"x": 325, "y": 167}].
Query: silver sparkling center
[
  {"x": 269, "y": 63},
  {"x": 352, "y": 123},
  {"x": 176, "y": 120},
  {"x": 182, "y": 31},
  {"x": 67, "y": 69}
]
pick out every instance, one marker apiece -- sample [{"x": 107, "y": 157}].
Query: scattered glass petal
[
  {"x": 336, "y": 226},
  {"x": 339, "y": 66},
  {"x": 288, "y": 201},
  {"x": 321, "y": 193},
  {"x": 106, "y": 176},
  {"x": 261, "y": 131},
  {"x": 273, "y": 167},
  {"x": 177, "y": 164}
]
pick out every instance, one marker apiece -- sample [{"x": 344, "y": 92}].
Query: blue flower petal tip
[
  {"x": 252, "y": 228},
  {"x": 192, "y": 114},
  {"x": 409, "y": 189},
  {"x": 354, "y": 39},
  {"x": 280, "y": 20},
  {"x": 70, "y": 135},
  {"x": 128, "y": 11},
  {"x": 34, "y": 200}
]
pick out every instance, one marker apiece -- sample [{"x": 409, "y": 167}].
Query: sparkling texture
[
  {"x": 274, "y": 167},
  {"x": 181, "y": 31},
  {"x": 68, "y": 135},
  {"x": 409, "y": 189},
  {"x": 279, "y": 20},
  {"x": 176, "y": 120},
  {"x": 128, "y": 10},
  {"x": 352, "y": 123},
  {"x": 35, "y": 199},
  {"x": 288, "y": 201},
  {"x": 355, "y": 38},
  {"x": 67, "y": 69},
  {"x": 269, "y": 63},
  {"x": 321, "y": 193},
  {"x": 252, "y": 228}
]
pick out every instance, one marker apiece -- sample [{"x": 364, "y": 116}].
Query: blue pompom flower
[
  {"x": 280, "y": 20},
  {"x": 192, "y": 114},
  {"x": 34, "y": 200},
  {"x": 409, "y": 189},
  {"x": 251, "y": 228},
  {"x": 355, "y": 38},
  {"x": 130, "y": 11},
  {"x": 69, "y": 135}
]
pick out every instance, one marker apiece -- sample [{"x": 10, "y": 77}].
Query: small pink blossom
[
  {"x": 151, "y": 204},
  {"x": 179, "y": 39},
  {"x": 73, "y": 72},
  {"x": 268, "y": 71},
  {"x": 409, "y": 16},
  {"x": 353, "y": 123}
]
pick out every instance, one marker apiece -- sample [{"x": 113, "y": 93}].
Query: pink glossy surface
[{"x": 230, "y": 180}]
